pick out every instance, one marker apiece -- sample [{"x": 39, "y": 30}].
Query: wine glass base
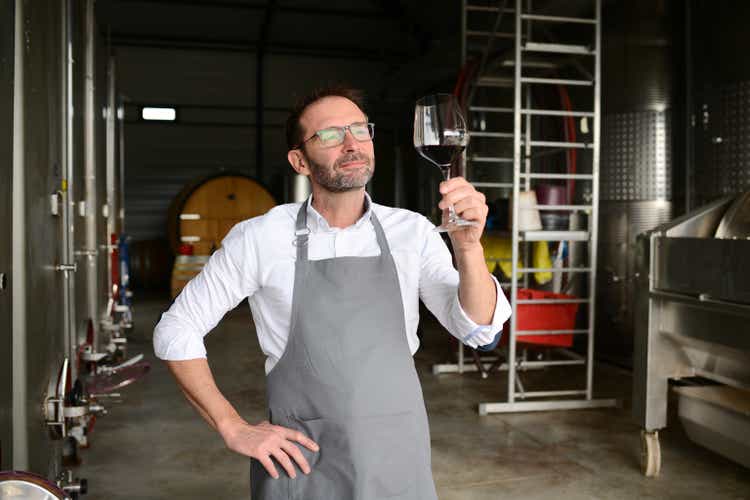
[{"x": 455, "y": 225}]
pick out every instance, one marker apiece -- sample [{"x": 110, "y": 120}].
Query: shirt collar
[{"x": 318, "y": 223}]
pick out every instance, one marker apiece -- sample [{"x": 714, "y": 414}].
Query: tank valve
[{"x": 72, "y": 486}]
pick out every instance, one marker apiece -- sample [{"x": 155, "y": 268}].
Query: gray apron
[{"x": 347, "y": 380}]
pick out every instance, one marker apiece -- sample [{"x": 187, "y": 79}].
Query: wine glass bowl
[{"x": 440, "y": 137}]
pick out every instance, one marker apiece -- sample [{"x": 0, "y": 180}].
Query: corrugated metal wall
[{"x": 721, "y": 108}]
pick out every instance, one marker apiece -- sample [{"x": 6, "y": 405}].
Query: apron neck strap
[{"x": 302, "y": 233}]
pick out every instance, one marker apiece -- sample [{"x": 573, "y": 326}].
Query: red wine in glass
[
  {"x": 440, "y": 137},
  {"x": 445, "y": 156}
]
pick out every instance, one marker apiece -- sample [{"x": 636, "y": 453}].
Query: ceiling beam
[
  {"x": 378, "y": 54},
  {"x": 261, "y": 7}
]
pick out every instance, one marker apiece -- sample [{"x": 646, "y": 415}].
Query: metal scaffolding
[{"x": 533, "y": 63}]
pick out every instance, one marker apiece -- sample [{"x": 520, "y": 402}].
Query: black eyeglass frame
[{"x": 370, "y": 127}]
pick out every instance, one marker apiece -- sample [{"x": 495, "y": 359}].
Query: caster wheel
[{"x": 650, "y": 453}]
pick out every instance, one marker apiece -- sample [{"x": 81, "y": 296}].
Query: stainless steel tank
[
  {"x": 7, "y": 53},
  {"x": 45, "y": 292},
  {"x": 637, "y": 178}
]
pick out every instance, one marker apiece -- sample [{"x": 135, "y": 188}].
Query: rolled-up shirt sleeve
[
  {"x": 438, "y": 289},
  {"x": 229, "y": 276}
]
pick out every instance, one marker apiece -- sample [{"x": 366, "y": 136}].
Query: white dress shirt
[{"x": 256, "y": 260}]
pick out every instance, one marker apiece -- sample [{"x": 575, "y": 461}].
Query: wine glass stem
[{"x": 451, "y": 211}]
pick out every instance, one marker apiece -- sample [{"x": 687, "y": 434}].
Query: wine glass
[{"x": 440, "y": 136}]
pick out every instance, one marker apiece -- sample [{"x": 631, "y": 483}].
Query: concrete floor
[{"x": 153, "y": 445}]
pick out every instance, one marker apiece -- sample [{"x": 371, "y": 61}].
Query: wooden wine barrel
[
  {"x": 150, "y": 264},
  {"x": 186, "y": 267},
  {"x": 207, "y": 208}
]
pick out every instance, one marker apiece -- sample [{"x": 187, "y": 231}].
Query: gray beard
[{"x": 330, "y": 179}]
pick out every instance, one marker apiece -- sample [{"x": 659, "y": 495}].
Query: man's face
[{"x": 346, "y": 167}]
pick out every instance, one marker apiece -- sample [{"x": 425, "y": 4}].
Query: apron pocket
[
  {"x": 367, "y": 458},
  {"x": 331, "y": 468},
  {"x": 263, "y": 486}
]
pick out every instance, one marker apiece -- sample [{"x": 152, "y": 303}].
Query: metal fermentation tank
[{"x": 54, "y": 251}]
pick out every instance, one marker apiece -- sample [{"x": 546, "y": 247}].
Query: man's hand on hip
[{"x": 266, "y": 440}]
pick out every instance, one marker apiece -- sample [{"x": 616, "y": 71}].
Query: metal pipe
[
  {"x": 594, "y": 222},
  {"x": 558, "y": 19},
  {"x": 491, "y": 109},
  {"x": 546, "y": 394},
  {"x": 516, "y": 206},
  {"x": 499, "y": 135},
  {"x": 556, "y": 81},
  {"x": 307, "y": 50},
  {"x": 524, "y": 365},
  {"x": 689, "y": 116},
  {"x": 68, "y": 187},
  {"x": 558, "y": 48},
  {"x": 527, "y": 135},
  {"x": 20, "y": 450},
  {"x": 110, "y": 167},
  {"x": 90, "y": 174},
  {"x": 347, "y": 14},
  {"x": 573, "y": 404},
  {"x": 556, "y": 112},
  {"x": 488, "y": 364},
  {"x": 561, "y": 144},
  {"x": 559, "y": 176},
  {"x": 701, "y": 301},
  {"x": 493, "y": 184},
  {"x": 121, "y": 163},
  {"x": 523, "y": 333}
]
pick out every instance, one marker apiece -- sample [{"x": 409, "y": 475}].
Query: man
[{"x": 333, "y": 285}]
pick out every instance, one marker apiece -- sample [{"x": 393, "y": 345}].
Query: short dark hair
[{"x": 294, "y": 128}]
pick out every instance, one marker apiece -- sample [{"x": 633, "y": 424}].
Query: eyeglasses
[{"x": 334, "y": 136}]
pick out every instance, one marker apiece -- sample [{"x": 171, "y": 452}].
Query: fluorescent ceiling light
[{"x": 163, "y": 114}]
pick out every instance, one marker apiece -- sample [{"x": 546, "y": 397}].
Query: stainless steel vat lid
[{"x": 736, "y": 222}]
